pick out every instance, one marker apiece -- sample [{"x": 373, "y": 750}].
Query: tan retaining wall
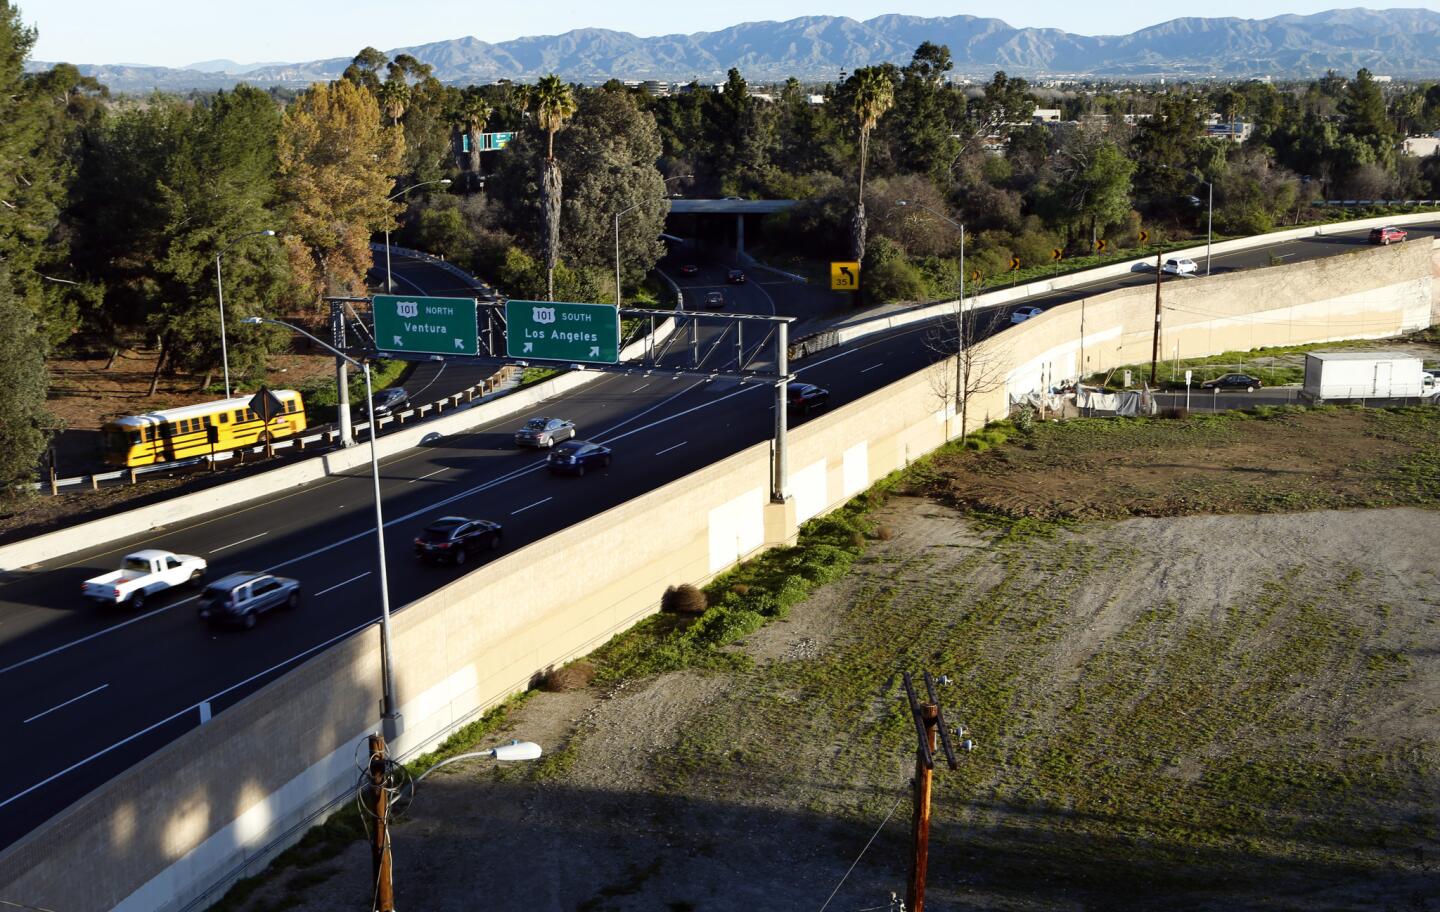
[{"x": 189, "y": 816}]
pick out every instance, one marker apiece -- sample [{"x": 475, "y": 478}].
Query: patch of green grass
[{"x": 532, "y": 375}]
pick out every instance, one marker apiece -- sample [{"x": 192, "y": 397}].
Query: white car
[
  {"x": 1180, "y": 266},
  {"x": 1021, "y": 314},
  {"x": 143, "y": 574}
]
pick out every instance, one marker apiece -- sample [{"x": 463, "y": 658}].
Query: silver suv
[{"x": 240, "y": 598}]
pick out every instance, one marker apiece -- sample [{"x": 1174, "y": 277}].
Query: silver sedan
[{"x": 544, "y": 432}]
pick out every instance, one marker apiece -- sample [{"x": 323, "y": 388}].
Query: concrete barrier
[
  {"x": 1004, "y": 296},
  {"x": 170, "y": 832}
]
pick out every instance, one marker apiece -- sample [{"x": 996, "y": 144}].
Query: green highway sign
[
  {"x": 432, "y": 326},
  {"x": 560, "y": 331}
]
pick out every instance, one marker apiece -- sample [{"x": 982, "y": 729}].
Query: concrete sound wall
[{"x": 227, "y": 794}]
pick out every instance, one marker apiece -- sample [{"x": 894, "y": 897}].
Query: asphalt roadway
[{"x": 91, "y": 690}]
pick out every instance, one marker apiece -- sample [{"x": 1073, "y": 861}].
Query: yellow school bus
[{"x": 198, "y": 430}]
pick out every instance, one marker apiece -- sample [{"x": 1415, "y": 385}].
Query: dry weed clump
[{"x": 683, "y": 599}]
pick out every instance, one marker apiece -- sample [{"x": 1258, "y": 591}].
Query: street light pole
[
  {"x": 617, "y": 235},
  {"x": 220, "y": 297},
  {"x": 387, "y": 671},
  {"x": 1209, "y": 222},
  {"x": 389, "y": 283}
]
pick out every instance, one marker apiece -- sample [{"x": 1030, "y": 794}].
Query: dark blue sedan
[{"x": 573, "y": 457}]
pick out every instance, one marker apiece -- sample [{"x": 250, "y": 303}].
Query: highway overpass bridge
[{"x": 736, "y": 207}]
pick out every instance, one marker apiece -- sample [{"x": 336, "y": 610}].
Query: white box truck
[{"x": 1365, "y": 375}]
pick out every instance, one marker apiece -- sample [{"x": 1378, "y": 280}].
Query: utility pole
[
  {"x": 1155, "y": 341},
  {"x": 929, "y": 720},
  {"x": 380, "y": 861},
  {"x": 920, "y": 821}
]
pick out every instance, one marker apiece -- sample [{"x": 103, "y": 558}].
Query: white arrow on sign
[
  {"x": 459, "y": 344},
  {"x": 398, "y": 342},
  {"x": 594, "y": 351},
  {"x": 529, "y": 347}
]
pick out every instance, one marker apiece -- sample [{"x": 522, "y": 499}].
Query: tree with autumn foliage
[{"x": 337, "y": 164}]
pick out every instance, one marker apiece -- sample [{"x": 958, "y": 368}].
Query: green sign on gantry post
[
  {"x": 421, "y": 325},
  {"x": 560, "y": 331}
]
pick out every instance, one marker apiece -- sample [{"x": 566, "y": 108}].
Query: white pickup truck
[{"x": 143, "y": 574}]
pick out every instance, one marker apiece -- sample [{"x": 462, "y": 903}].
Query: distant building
[
  {"x": 1238, "y": 131},
  {"x": 816, "y": 99},
  {"x": 1383, "y": 78},
  {"x": 1420, "y": 146},
  {"x": 655, "y": 87},
  {"x": 1045, "y": 115}
]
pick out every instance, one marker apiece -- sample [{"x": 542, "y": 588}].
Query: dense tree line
[{"x": 113, "y": 211}]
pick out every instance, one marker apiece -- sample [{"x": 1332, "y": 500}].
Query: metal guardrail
[
  {"x": 1377, "y": 203},
  {"x": 815, "y": 342}
]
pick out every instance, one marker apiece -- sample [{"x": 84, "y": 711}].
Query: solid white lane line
[
  {"x": 639, "y": 388},
  {"x": 872, "y": 367},
  {"x": 187, "y": 710},
  {"x": 338, "y": 585},
  {"x": 675, "y": 447},
  {"x": 66, "y": 703},
  {"x": 422, "y": 389},
  {"x": 64, "y": 646},
  {"x": 532, "y": 506},
  {"x": 423, "y": 477},
  {"x": 240, "y": 542}
]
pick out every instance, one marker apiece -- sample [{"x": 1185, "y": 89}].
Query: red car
[
  {"x": 1387, "y": 235},
  {"x": 689, "y": 269}
]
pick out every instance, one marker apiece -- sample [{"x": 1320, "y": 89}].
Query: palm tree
[
  {"x": 393, "y": 96},
  {"x": 874, "y": 94},
  {"x": 554, "y": 104},
  {"x": 471, "y": 116}
]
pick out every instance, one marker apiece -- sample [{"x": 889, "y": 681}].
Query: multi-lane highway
[{"x": 91, "y": 690}]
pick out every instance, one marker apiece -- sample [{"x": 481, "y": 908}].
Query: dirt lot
[{"x": 1180, "y": 712}]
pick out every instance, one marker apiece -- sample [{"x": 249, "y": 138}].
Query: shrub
[
  {"x": 725, "y": 625},
  {"x": 575, "y": 676},
  {"x": 683, "y": 599},
  {"x": 740, "y": 589},
  {"x": 884, "y": 533},
  {"x": 1178, "y": 411},
  {"x": 894, "y": 280}
]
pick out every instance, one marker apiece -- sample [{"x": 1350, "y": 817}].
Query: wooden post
[
  {"x": 380, "y": 862},
  {"x": 920, "y": 823}
]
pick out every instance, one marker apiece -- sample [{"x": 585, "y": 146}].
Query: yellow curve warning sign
[{"x": 844, "y": 276}]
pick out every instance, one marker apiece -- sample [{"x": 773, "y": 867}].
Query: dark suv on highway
[{"x": 240, "y": 598}]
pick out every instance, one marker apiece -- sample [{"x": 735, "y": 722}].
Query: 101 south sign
[{"x": 562, "y": 331}]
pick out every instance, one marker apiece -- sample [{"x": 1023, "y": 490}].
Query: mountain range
[{"x": 1397, "y": 42}]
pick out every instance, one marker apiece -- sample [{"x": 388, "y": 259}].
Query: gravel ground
[{"x": 1205, "y": 712}]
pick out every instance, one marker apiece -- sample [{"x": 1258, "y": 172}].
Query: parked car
[
  {"x": 1388, "y": 235},
  {"x": 735, "y": 277},
  {"x": 544, "y": 432},
  {"x": 1180, "y": 266},
  {"x": 804, "y": 398},
  {"x": 454, "y": 538},
  {"x": 575, "y": 456},
  {"x": 714, "y": 300},
  {"x": 143, "y": 574},
  {"x": 240, "y": 598},
  {"x": 1233, "y": 381},
  {"x": 388, "y": 400},
  {"x": 1021, "y": 314},
  {"x": 689, "y": 269}
]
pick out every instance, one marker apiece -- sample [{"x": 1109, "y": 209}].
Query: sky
[{"x": 179, "y": 32}]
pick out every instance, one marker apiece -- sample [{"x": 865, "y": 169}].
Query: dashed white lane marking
[
  {"x": 342, "y": 584},
  {"x": 240, "y": 542},
  {"x": 66, "y": 703},
  {"x": 532, "y": 506}
]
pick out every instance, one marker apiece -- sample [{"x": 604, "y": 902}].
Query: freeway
[{"x": 91, "y": 691}]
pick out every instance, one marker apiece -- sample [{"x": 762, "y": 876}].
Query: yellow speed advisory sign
[{"x": 844, "y": 276}]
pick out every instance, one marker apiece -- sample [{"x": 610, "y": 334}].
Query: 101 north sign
[
  {"x": 421, "y": 325},
  {"x": 562, "y": 331}
]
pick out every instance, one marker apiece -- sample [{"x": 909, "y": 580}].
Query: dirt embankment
[{"x": 1173, "y": 709}]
